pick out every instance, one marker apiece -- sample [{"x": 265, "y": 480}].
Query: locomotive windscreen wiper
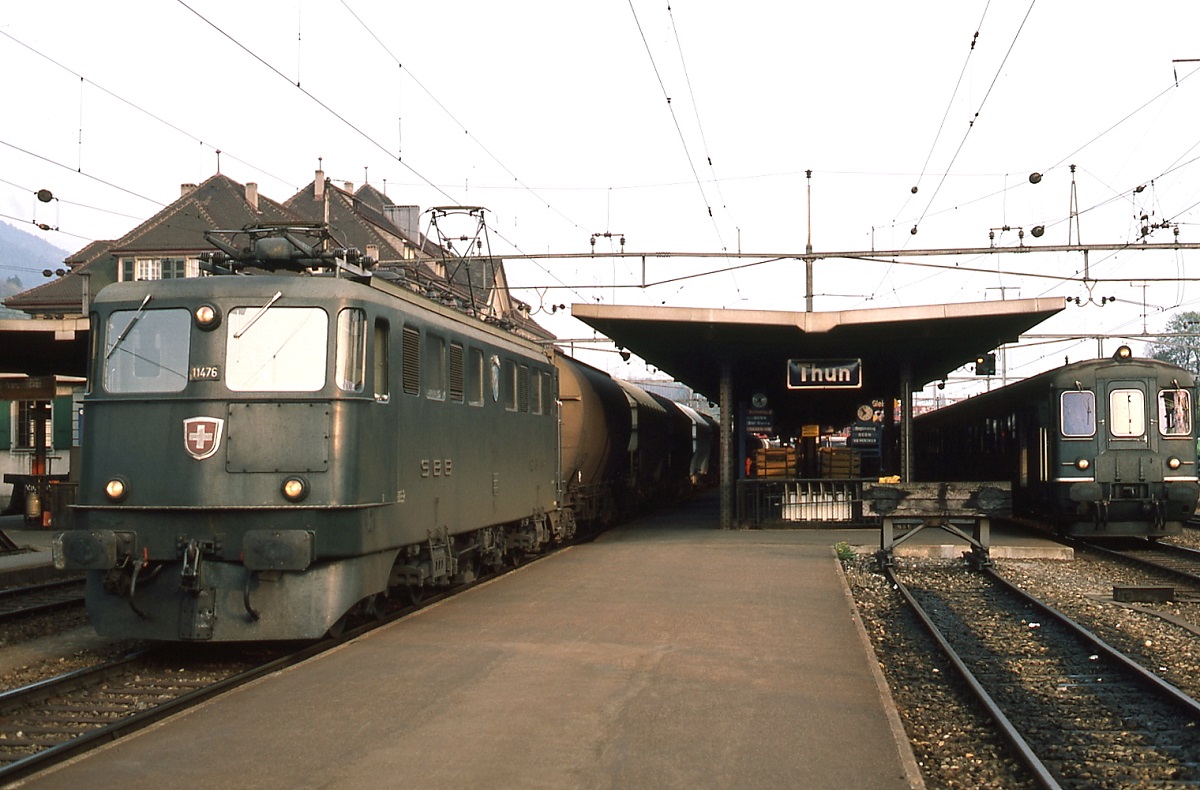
[
  {"x": 125, "y": 332},
  {"x": 261, "y": 312}
]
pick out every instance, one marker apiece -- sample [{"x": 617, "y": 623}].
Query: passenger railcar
[
  {"x": 1101, "y": 448},
  {"x": 264, "y": 453}
]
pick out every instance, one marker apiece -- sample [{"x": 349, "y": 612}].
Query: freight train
[
  {"x": 1101, "y": 448},
  {"x": 268, "y": 451}
]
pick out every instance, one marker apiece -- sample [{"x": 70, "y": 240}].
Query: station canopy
[
  {"x": 929, "y": 342},
  {"x": 44, "y": 347}
]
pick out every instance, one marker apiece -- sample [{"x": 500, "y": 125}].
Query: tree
[{"x": 1175, "y": 345}]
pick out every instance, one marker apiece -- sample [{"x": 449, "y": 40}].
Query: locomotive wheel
[
  {"x": 375, "y": 606},
  {"x": 416, "y": 592},
  {"x": 337, "y": 628}
]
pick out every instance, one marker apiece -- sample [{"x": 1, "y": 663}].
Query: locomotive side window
[
  {"x": 351, "y": 362},
  {"x": 435, "y": 368},
  {"x": 510, "y": 385},
  {"x": 537, "y": 394},
  {"x": 523, "y": 387},
  {"x": 494, "y": 367},
  {"x": 1127, "y": 412},
  {"x": 475, "y": 377},
  {"x": 411, "y": 373},
  {"x": 1175, "y": 412},
  {"x": 1078, "y": 413},
  {"x": 383, "y": 386},
  {"x": 146, "y": 350},
  {"x": 280, "y": 350},
  {"x": 456, "y": 372}
]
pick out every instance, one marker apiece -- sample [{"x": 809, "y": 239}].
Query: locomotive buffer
[{"x": 962, "y": 509}]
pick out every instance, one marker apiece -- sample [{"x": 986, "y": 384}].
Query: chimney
[
  {"x": 406, "y": 218},
  {"x": 186, "y": 189},
  {"x": 373, "y": 252},
  {"x": 349, "y": 186},
  {"x": 252, "y": 195},
  {"x": 319, "y": 186}
]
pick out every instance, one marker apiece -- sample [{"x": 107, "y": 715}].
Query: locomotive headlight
[
  {"x": 1174, "y": 463},
  {"x": 1082, "y": 464},
  {"x": 207, "y": 317},
  {"x": 295, "y": 489},
  {"x": 116, "y": 489}
]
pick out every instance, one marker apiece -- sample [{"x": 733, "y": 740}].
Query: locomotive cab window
[
  {"x": 1078, "y": 413},
  {"x": 281, "y": 349},
  {"x": 1175, "y": 412},
  {"x": 351, "y": 349},
  {"x": 146, "y": 350},
  {"x": 1127, "y": 413}
]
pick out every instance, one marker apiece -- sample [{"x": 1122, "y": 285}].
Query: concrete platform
[
  {"x": 34, "y": 563},
  {"x": 1006, "y": 541},
  {"x": 668, "y": 653}
]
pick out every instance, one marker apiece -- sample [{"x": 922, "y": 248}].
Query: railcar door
[{"x": 1129, "y": 416}]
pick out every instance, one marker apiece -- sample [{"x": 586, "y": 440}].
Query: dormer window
[{"x": 159, "y": 268}]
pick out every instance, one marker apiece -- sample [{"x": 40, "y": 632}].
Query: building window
[
  {"x": 158, "y": 268},
  {"x": 25, "y": 424}
]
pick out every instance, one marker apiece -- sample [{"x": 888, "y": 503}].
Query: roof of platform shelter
[{"x": 690, "y": 343}]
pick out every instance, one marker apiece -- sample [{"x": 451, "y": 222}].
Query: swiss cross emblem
[{"x": 202, "y": 436}]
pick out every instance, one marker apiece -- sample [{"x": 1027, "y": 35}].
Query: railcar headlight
[
  {"x": 295, "y": 489},
  {"x": 1174, "y": 463},
  {"x": 1082, "y": 464},
  {"x": 1123, "y": 353},
  {"x": 207, "y": 317},
  {"x": 116, "y": 489}
]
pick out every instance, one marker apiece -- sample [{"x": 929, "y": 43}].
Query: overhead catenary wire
[
  {"x": 675, "y": 120},
  {"x": 978, "y": 112}
]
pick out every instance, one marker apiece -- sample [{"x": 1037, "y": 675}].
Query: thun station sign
[{"x": 805, "y": 374}]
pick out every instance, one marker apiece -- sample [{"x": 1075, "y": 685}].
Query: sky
[{"x": 681, "y": 127}]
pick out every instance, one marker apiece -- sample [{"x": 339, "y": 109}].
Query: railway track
[
  {"x": 1179, "y": 563},
  {"x": 52, "y": 596},
  {"x": 1079, "y": 713}
]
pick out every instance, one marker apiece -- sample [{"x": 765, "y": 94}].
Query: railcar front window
[
  {"x": 1079, "y": 413},
  {"x": 1127, "y": 413},
  {"x": 281, "y": 350},
  {"x": 146, "y": 350},
  {"x": 1175, "y": 412}
]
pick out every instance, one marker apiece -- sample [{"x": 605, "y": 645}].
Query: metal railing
[{"x": 783, "y": 502}]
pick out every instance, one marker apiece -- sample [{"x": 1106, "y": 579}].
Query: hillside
[{"x": 23, "y": 257}]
